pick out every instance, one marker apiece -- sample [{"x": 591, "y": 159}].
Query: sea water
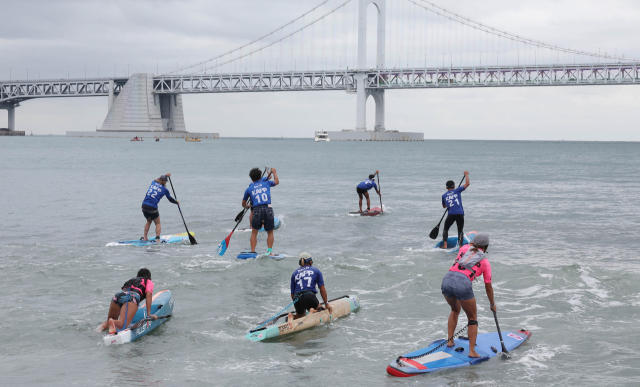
[{"x": 563, "y": 219}]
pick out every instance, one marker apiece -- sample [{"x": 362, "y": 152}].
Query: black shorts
[
  {"x": 149, "y": 212},
  {"x": 262, "y": 214},
  {"x": 306, "y": 302},
  {"x": 361, "y": 191}
]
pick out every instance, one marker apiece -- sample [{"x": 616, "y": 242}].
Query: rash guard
[
  {"x": 453, "y": 200},
  {"x": 259, "y": 192},
  {"x": 368, "y": 184},
  {"x": 155, "y": 192},
  {"x": 306, "y": 278}
]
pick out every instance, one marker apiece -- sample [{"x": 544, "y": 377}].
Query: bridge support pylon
[
  {"x": 362, "y": 92},
  {"x": 10, "y": 130},
  {"x": 361, "y": 108}
]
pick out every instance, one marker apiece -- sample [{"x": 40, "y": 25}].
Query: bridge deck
[{"x": 497, "y": 76}]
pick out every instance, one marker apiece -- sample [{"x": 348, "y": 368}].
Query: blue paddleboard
[
  {"x": 487, "y": 346},
  {"x": 161, "y": 306},
  {"x": 453, "y": 241},
  {"x": 250, "y": 255},
  {"x": 175, "y": 238}
]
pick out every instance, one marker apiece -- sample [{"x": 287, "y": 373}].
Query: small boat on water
[
  {"x": 136, "y": 138},
  {"x": 322, "y": 136},
  {"x": 161, "y": 307},
  {"x": 158, "y": 139},
  {"x": 342, "y": 306},
  {"x": 196, "y": 139}
]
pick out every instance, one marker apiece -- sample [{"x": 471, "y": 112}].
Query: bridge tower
[{"x": 363, "y": 93}]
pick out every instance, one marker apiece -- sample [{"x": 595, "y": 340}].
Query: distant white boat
[{"x": 322, "y": 136}]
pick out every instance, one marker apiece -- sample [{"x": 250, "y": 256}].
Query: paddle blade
[
  {"x": 192, "y": 239},
  {"x": 222, "y": 247},
  {"x": 434, "y": 233}
]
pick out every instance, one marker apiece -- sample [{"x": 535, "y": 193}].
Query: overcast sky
[{"x": 58, "y": 37}]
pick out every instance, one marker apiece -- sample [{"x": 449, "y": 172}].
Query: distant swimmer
[
  {"x": 303, "y": 287},
  {"x": 457, "y": 287},
  {"x": 452, "y": 200},
  {"x": 258, "y": 198},
  {"x": 155, "y": 192},
  {"x": 363, "y": 190},
  {"x": 133, "y": 292}
]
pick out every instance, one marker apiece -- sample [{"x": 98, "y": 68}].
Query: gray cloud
[{"x": 54, "y": 38}]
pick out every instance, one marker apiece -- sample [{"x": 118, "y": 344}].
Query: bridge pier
[
  {"x": 10, "y": 130},
  {"x": 11, "y": 110},
  {"x": 138, "y": 111},
  {"x": 361, "y": 108}
]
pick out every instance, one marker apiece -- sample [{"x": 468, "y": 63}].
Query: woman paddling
[
  {"x": 458, "y": 290},
  {"x": 155, "y": 192},
  {"x": 124, "y": 304}
]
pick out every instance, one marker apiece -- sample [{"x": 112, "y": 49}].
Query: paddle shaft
[
  {"x": 436, "y": 229},
  {"x": 191, "y": 238},
  {"x": 141, "y": 322},
  {"x": 504, "y": 349},
  {"x": 380, "y": 190},
  {"x": 284, "y": 314}
]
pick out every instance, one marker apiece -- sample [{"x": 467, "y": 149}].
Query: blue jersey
[
  {"x": 368, "y": 184},
  {"x": 453, "y": 200},
  {"x": 155, "y": 192},
  {"x": 259, "y": 192},
  {"x": 306, "y": 278}
]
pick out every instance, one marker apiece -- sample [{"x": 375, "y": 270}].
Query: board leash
[
  {"x": 433, "y": 350},
  {"x": 277, "y": 315}
]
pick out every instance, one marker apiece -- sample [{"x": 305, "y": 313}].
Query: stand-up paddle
[
  {"x": 222, "y": 247},
  {"x": 191, "y": 238},
  {"x": 504, "y": 349},
  {"x": 436, "y": 230},
  {"x": 379, "y": 190}
]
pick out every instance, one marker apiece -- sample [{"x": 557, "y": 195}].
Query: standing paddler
[
  {"x": 155, "y": 192},
  {"x": 457, "y": 287},
  {"x": 452, "y": 200},
  {"x": 363, "y": 190},
  {"x": 303, "y": 288},
  {"x": 258, "y": 197},
  {"x": 124, "y": 304}
]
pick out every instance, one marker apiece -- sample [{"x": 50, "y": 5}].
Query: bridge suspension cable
[
  {"x": 282, "y": 38},
  {"x": 503, "y": 34}
]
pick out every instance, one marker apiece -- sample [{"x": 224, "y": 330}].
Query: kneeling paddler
[{"x": 303, "y": 288}]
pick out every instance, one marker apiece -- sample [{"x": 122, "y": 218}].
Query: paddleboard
[
  {"x": 161, "y": 305},
  {"x": 174, "y": 238},
  {"x": 487, "y": 346},
  {"x": 341, "y": 307},
  {"x": 372, "y": 212},
  {"x": 250, "y": 255},
  {"x": 276, "y": 224},
  {"x": 453, "y": 241}
]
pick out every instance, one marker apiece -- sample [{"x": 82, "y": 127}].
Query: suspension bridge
[{"x": 418, "y": 44}]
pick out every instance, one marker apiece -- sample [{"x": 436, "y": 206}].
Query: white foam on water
[
  {"x": 540, "y": 356},
  {"x": 593, "y": 284}
]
